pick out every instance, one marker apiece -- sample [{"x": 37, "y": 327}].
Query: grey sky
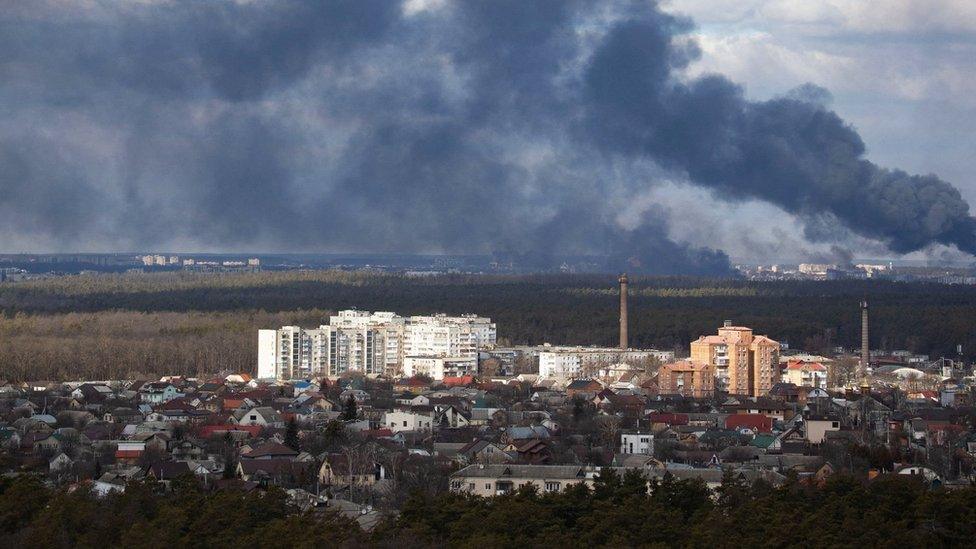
[{"x": 527, "y": 128}]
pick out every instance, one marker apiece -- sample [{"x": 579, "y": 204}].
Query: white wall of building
[
  {"x": 637, "y": 443},
  {"x": 437, "y": 368},
  {"x": 372, "y": 343},
  {"x": 569, "y": 362},
  {"x": 407, "y": 421},
  {"x": 267, "y": 354}
]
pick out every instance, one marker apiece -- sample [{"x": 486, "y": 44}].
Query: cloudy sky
[
  {"x": 900, "y": 71},
  {"x": 670, "y": 137}
]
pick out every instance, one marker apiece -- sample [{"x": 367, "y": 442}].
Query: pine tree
[
  {"x": 230, "y": 466},
  {"x": 350, "y": 412},
  {"x": 291, "y": 435}
]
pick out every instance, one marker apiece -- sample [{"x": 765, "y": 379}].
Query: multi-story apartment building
[
  {"x": 291, "y": 352},
  {"x": 688, "y": 378},
  {"x": 805, "y": 374},
  {"x": 571, "y": 362},
  {"x": 438, "y": 367},
  {"x": 372, "y": 343},
  {"x": 442, "y": 335},
  {"x": 745, "y": 364}
]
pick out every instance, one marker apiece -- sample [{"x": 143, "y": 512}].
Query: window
[
  {"x": 835, "y": 425},
  {"x": 487, "y": 486},
  {"x": 552, "y": 487},
  {"x": 405, "y": 424}
]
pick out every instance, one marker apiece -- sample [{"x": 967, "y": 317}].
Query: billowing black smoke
[
  {"x": 790, "y": 151},
  {"x": 505, "y": 126}
]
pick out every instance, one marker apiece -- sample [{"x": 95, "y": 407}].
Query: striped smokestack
[{"x": 623, "y": 311}]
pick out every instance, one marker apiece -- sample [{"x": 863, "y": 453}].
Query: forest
[
  {"x": 106, "y": 325},
  {"x": 890, "y": 511}
]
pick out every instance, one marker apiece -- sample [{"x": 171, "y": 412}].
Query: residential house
[
  {"x": 817, "y": 427},
  {"x": 262, "y": 416},
  {"x": 756, "y": 423},
  {"x": 482, "y": 451},
  {"x": 636, "y": 442},
  {"x": 407, "y": 421},
  {"x": 338, "y": 470},
  {"x": 158, "y": 392},
  {"x": 585, "y": 388},
  {"x": 270, "y": 450}
]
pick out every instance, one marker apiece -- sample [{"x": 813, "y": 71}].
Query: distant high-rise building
[
  {"x": 745, "y": 364},
  {"x": 373, "y": 343}
]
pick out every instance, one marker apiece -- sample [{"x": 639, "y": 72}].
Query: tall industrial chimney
[
  {"x": 865, "y": 349},
  {"x": 623, "y": 311}
]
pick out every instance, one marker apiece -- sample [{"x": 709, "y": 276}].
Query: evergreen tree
[
  {"x": 350, "y": 412},
  {"x": 291, "y": 435},
  {"x": 230, "y": 466}
]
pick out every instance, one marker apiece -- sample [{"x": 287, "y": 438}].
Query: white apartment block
[
  {"x": 437, "y": 368},
  {"x": 453, "y": 336},
  {"x": 570, "y": 362},
  {"x": 374, "y": 343}
]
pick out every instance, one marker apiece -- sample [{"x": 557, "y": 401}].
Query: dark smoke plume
[{"x": 509, "y": 126}]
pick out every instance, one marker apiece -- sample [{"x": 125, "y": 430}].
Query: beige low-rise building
[
  {"x": 688, "y": 378},
  {"x": 805, "y": 374}
]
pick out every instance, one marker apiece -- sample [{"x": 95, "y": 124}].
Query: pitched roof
[
  {"x": 756, "y": 422},
  {"x": 270, "y": 466},
  {"x": 668, "y": 418},
  {"x": 210, "y": 430},
  {"x": 270, "y": 449},
  {"x": 165, "y": 470},
  {"x": 803, "y": 365},
  {"x": 459, "y": 381},
  {"x": 583, "y": 384}
]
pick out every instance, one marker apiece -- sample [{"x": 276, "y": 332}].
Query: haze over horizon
[{"x": 536, "y": 129}]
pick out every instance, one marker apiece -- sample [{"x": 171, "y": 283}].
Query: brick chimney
[{"x": 623, "y": 311}]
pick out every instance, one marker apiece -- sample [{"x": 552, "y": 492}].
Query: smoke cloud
[{"x": 508, "y": 127}]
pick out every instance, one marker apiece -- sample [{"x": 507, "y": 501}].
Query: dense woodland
[
  {"x": 107, "y": 325},
  {"x": 894, "y": 511}
]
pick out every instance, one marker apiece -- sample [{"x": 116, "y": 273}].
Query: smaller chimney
[{"x": 728, "y": 324}]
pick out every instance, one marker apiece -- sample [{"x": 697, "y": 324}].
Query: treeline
[
  {"x": 665, "y": 312},
  {"x": 128, "y": 344},
  {"x": 895, "y": 511}
]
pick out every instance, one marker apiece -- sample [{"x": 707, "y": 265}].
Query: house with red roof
[
  {"x": 238, "y": 432},
  {"x": 666, "y": 419},
  {"x": 757, "y": 423},
  {"x": 270, "y": 450},
  {"x": 459, "y": 381}
]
